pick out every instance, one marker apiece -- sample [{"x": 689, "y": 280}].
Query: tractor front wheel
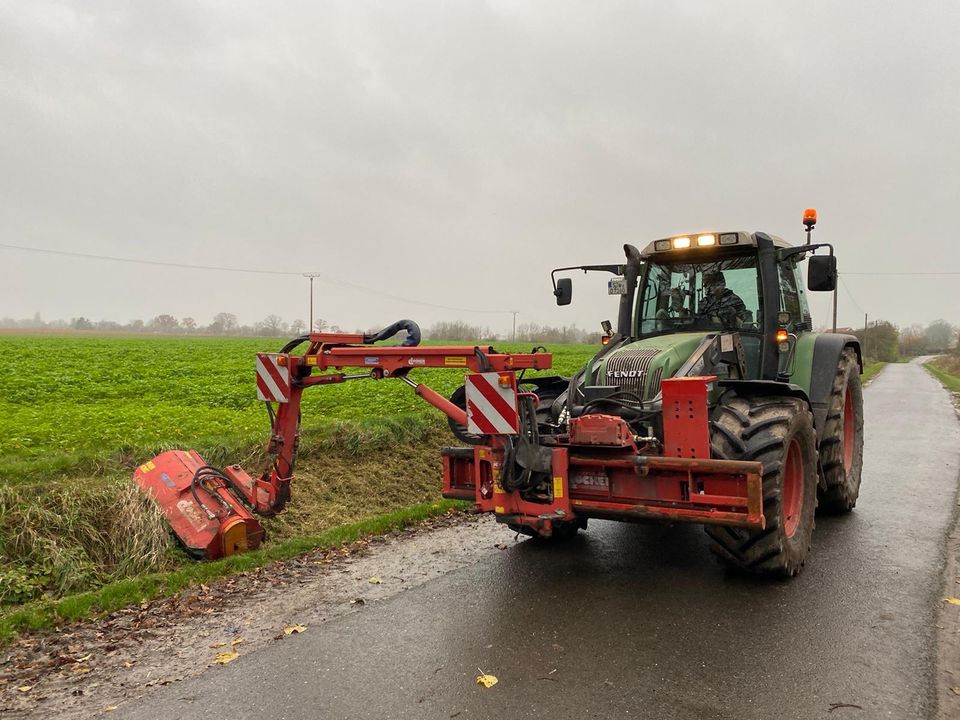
[
  {"x": 841, "y": 444},
  {"x": 778, "y": 432}
]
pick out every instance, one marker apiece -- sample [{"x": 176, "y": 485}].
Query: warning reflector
[
  {"x": 273, "y": 379},
  {"x": 492, "y": 404}
]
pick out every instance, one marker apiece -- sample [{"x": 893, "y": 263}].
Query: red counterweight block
[
  {"x": 686, "y": 419},
  {"x": 217, "y": 525}
]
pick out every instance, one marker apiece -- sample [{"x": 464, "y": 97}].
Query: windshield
[{"x": 718, "y": 295}]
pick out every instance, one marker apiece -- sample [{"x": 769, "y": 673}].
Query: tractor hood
[{"x": 639, "y": 366}]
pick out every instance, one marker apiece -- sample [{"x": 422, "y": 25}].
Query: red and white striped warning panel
[
  {"x": 273, "y": 379},
  {"x": 492, "y": 404}
]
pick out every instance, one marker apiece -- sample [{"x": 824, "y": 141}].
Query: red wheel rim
[
  {"x": 792, "y": 488},
  {"x": 848, "y": 431}
]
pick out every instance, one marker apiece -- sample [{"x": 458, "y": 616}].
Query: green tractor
[
  {"x": 728, "y": 308},
  {"x": 733, "y": 305}
]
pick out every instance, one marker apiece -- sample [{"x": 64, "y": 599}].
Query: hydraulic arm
[{"x": 212, "y": 510}]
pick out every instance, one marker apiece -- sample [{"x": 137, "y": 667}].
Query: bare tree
[
  {"x": 164, "y": 324},
  {"x": 939, "y": 335},
  {"x": 272, "y": 325},
  {"x": 224, "y": 323}
]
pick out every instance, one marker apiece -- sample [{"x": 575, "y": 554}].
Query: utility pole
[
  {"x": 515, "y": 324},
  {"x": 311, "y": 276},
  {"x": 865, "y": 334}
]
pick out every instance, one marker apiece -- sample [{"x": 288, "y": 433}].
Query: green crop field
[{"x": 83, "y": 405}]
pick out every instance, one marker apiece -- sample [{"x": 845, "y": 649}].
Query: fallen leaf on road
[
  {"x": 952, "y": 600},
  {"x": 955, "y": 690},
  {"x": 110, "y": 708},
  {"x": 218, "y": 645},
  {"x": 25, "y": 688},
  {"x": 237, "y": 641},
  {"x": 290, "y": 629},
  {"x": 485, "y": 680},
  {"x": 375, "y": 580},
  {"x": 225, "y": 657},
  {"x": 84, "y": 658},
  {"x": 79, "y": 669}
]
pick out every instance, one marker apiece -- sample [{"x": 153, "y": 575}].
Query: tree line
[
  {"x": 223, "y": 323},
  {"x": 459, "y": 331},
  {"x": 882, "y": 340}
]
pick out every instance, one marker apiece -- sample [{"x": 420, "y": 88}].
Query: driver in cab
[{"x": 721, "y": 303}]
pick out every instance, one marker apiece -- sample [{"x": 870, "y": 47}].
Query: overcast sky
[{"x": 454, "y": 152}]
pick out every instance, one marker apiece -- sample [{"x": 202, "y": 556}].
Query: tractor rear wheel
[
  {"x": 778, "y": 432},
  {"x": 841, "y": 443}
]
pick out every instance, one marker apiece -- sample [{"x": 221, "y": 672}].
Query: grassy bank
[
  {"x": 77, "y": 534},
  {"x": 946, "y": 369},
  {"x": 51, "y": 613}
]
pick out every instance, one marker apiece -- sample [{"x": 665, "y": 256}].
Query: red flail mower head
[{"x": 207, "y": 518}]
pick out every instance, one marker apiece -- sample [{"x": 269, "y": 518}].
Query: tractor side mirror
[
  {"x": 822, "y": 273},
  {"x": 564, "y": 291}
]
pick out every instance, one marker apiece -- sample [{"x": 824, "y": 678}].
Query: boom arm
[
  {"x": 336, "y": 351},
  {"x": 212, "y": 510}
]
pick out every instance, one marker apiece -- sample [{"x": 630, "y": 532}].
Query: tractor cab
[
  {"x": 716, "y": 284},
  {"x": 730, "y": 304}
]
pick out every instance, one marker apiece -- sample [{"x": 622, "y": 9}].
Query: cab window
[
  {"x": 711, "y": 296},
  {"x": 790, "y": 294}
]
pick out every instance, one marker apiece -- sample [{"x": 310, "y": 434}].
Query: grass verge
[
  {"x": 871, "y": 369},
  {"x": 946, "y": 369},
  {"x": 46, "y": 614},
  {"x": 73, "y": 535}
]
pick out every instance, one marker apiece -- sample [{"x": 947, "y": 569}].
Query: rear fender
[{"x": 827, "y": 351}]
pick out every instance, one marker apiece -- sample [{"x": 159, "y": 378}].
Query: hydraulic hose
[
  {"x": 413, "y": 333},
  {"x": 293, "y": 343}
]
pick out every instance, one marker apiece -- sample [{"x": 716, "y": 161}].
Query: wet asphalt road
[{"x": 639, "y": 621}]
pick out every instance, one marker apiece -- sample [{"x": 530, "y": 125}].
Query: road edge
[
  {"x": 46, "y": 614},
  {"x": 948, "y": 628},
  {"x": 948, "y": 614}
]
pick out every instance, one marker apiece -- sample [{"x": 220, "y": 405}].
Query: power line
[
  {"x": 850, "y": 294},
  {"x": 254, "y": 271},
  {"x": 872, "y": 274}
]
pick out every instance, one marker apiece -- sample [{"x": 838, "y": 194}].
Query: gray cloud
[{"x": 456, "y": 152}]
